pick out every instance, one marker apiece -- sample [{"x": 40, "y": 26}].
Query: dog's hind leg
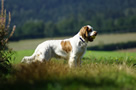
[{"x": 43, "y": 55}]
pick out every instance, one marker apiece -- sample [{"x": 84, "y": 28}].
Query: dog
[{"x": 72, "y": 49}]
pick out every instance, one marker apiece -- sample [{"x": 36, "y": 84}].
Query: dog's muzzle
[{"x": 92, "y": 36}]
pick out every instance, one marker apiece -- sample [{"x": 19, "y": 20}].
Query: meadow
[{"x": 100, "y": 70}]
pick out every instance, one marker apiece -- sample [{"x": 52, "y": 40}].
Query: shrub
[{"x": 5, "y": 53}]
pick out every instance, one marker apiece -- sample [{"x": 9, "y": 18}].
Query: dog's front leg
[{"x": 72, "y": 61}]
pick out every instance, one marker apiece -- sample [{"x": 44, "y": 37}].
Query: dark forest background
[{"x": 55, "y": 18}]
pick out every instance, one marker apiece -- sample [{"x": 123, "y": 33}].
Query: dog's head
[{"x": 88, "y": 33}]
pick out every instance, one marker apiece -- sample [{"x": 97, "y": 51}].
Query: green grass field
[
  {"x": 100, "y": 71},
  {"x": 89, "y": 54}
]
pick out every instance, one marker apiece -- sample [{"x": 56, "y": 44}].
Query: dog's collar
[{"x": 81, "y": 39}]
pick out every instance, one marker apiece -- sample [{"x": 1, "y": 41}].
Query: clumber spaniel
[{"x": 72, "y": 49}]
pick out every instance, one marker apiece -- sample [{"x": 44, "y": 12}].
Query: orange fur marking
[
  {"x": 83, "y": 32},
  {"x": 66, "y": 46}
]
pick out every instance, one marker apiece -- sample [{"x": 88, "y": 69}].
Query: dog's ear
[{"x": 84, "y": 32}]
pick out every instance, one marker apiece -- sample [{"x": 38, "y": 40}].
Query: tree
[{"x": 33, "y": 29}]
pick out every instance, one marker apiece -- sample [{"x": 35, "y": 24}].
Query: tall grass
[{"x": 56, "y": 75}]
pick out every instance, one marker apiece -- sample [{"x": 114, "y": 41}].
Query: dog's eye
[{"x": 90, "y": 30}]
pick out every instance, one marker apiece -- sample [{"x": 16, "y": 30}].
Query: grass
[
  {"x": 105, "y": 55},
  {"x": 58, "y": 76},
  {"x": 18, "y": 55},
  {"x": 100, "y": 71}
]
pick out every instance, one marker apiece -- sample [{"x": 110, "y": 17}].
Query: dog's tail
[{"x": 28, "y": 59}]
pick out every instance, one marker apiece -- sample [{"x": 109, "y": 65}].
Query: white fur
[{"x": 90, "y": 27}]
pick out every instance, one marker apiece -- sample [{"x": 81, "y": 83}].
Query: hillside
[
  {"x": 68, "y": 16},
  {"x": 55, "y": 10}
]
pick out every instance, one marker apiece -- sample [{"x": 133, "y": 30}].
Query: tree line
[
  {"x": 71, "y": 26},
  {"x": 48, "y": 18}
]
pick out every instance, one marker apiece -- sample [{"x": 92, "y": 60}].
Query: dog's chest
[{"x": 80, "y": 50}]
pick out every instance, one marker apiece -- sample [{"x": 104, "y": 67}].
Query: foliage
[
  {"x": 5, "y": 55},
  {"x": 61, "y": 17}
]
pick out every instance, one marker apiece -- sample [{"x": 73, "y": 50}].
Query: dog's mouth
[{"x": 92, "y": 37}]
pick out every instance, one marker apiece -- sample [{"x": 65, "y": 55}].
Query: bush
[{"x": 5, "y": 53}]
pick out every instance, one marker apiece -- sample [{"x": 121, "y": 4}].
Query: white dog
[{"x": 72, "y": 49}]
